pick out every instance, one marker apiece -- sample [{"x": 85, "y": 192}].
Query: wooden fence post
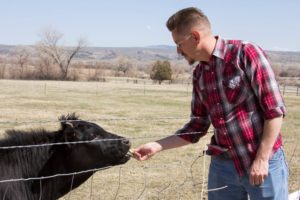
[
  {"x": 45, "y": 89},
  {"x": 144, "y": 87}
]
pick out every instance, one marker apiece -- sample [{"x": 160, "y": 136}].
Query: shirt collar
[{"x": 219, "y": 50}]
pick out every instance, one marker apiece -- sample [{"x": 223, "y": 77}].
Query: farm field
[{"x": 142, "y": 113}]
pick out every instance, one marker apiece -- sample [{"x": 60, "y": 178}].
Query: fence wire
[{"x": 189, "y": 177}]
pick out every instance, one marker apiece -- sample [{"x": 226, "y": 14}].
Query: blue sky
[{"x": 272, "y": 24}]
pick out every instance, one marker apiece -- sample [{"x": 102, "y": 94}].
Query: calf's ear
[
  {"x": 66, "y": 124},
  {"x": 69, "y": 132}
]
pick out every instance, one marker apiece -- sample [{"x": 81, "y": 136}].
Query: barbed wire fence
[
  {"x": 56, "y": 175},
  {"x": 91, "y": 170},
  {"x": 189, "y": 178},
  {"x": 146, "y": 87},
  {"x": 284, "y": 88}
]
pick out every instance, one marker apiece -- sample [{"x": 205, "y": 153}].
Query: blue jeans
[{"x": 223, "y": 173}]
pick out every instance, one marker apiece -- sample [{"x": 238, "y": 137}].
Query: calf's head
[
  {"x": 88, "y": 147},
  {"x": 96, "y": 147}
]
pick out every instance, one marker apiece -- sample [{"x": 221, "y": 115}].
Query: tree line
[{"x": 54, "y": 61}]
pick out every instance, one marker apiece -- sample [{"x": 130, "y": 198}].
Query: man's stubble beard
[{"x": 189, "y": 60}]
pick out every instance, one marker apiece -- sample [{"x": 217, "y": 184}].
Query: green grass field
[{"x": 142, "y": 113}]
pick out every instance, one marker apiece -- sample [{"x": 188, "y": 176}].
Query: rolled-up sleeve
[
  {"x": 263, "y": 82},
  {"x": 199, "y": 122}
]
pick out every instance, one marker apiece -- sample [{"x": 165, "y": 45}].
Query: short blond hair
[{"x": 187, "y": 18}]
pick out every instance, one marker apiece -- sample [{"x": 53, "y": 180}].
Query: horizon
[
  {"x": 270, "y": 24},
  {"x": 150, "y": 46}
]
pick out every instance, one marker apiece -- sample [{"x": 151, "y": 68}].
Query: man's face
[{"x": 183, "y": 44}]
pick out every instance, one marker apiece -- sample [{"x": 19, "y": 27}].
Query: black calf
[{"x": 57, "y": 159}]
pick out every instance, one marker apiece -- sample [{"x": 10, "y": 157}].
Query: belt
[{"x": 223, "y": 156}]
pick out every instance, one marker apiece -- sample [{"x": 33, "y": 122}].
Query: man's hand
[
  {"x": 144, "y": 152},
  {"x": 258, "y": 171},
  {"x": 260, "y": 166}
]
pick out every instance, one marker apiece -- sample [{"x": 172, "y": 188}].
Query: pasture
[{"x": 141, "y": 112}]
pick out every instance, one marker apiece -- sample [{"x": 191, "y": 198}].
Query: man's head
[
  {"x": 188, "y": 26},
  {"x": 186, "y": 19}
]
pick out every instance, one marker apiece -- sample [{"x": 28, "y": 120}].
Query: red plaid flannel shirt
[{"x": 236, "y": 92}]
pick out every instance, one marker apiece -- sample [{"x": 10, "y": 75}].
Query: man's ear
[{"x": 196, "y": 35}]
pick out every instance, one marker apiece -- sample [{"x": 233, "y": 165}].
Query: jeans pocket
[{"x": 278, "y": 162}]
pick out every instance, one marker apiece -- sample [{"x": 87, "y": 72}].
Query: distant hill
[
  {"x": 160, "y": 52},
  {"x": 284, "y": 56},
  {"x": 151, "y": 53},
  {"x": 139, "y": 53},
  {"x": 4, "y": 49}
]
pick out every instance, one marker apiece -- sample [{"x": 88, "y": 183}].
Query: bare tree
[
  {"x": 177, "y": 71},
  {"x": 124, "y": 65},
  {"x": 61, "y": 56},
  {"x": 2, "y": 67},
  {"x": 21, "y": 58},
  {"x": 45, "y": 68}
]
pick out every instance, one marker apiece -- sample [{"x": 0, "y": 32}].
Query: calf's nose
[{"x": 126, "y": 142}]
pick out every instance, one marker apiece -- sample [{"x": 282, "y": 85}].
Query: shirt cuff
[{"x": 275, "y": 112}]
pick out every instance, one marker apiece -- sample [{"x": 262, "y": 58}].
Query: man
[{"x": 235, "y": 90}]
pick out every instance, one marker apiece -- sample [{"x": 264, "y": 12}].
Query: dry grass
[{"x": 142, "y": 111}]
